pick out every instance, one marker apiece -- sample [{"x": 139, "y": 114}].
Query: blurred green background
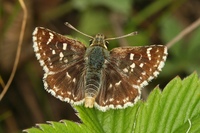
[{"x": 157, "y": 22}]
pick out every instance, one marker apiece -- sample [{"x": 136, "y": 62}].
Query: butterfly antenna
[
  {"x": 73, "y": 28},
  {"x": 127, "y": 35}
]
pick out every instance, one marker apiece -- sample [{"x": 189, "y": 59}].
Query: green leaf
[
  {"x": 175, "y": 110},
  {"x": 170, "y": 110},
  {"x": 192, "y": 125},
  {"x": 111, "y": 121},
  {"x": 59, "y": 127}
]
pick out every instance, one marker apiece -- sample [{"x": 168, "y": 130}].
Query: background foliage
[{"x": 157, "y": 22}]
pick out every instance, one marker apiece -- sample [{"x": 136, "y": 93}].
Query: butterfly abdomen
[{"x": 95, "y": 58}]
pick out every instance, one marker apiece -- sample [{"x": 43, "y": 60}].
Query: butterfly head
[{"x": 99, "y": 40}]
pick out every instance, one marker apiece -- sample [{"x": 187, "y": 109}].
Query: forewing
[
  {"x": 128, "y": 70},
  {"x": 62, "y": 60}
]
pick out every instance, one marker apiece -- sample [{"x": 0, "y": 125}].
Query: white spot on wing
[
  {"x": 52, "y": 92},
  {"x": 61, "y": 55},
  {"x": 161, "y": 65},
  {"x": 131, "y": 56},
  {"x": 35, "y": 31},
  {"x": 45, "y": 85},
  {"x": 64, "y": 46},
  {"x": 155, "y": 73},
  {"x": 125, "y": 70},
  {"x": 141, "y": 65},
  {"x": 144, "y": 73},
  {"x": 53, "y": 52},
  {"x": 65, "y": 60},
  {"x": 111, "y": 99},
  {"x": 44, "y": 54},
  {"x": 38, "y": 56},
  {"x": 144, "y": 83},
  {"x": 118, "y": 83},
  {"x": 74, "y": 80},
  {"x": 126, "y": 99},
  {"x": 164, "y": 58},
  {"x": 150, "y": 78},
  {"x": 36, "y": 49},
  {"x": 68, "y": 75},
  {"x": 110, "y": 86},
  {"x": 50, "y": 37},
  {"x": 136, "y": 86},
  {"x": 41, "y": 62},
  {"x": 148, "y": 53},
  {"x": 69, "y": 93},
  {"x": 51, "y": 73},
  {"x": 132, "y": 65},
  {"x": 45, "y": 68}
]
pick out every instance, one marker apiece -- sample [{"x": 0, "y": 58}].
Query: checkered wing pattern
[
  {"x": 62, "y": 60},
  {"x": 128, "y": 70}
]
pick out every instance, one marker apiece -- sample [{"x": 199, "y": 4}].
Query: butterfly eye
[
  {"x": 107, "y": 42},
  {"x": 90, "y": 41}
]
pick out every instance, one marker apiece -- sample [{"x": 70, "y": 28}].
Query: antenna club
[
  {"x": 69, "y": 25},
  {"x": 73, "y": 28},
  {"x": 119, "y": 37}
]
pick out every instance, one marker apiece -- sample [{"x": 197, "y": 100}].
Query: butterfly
[{"x": 95, "y": 76}]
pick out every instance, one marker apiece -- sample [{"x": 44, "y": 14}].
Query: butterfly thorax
[{"x": 95, "y": 58}]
